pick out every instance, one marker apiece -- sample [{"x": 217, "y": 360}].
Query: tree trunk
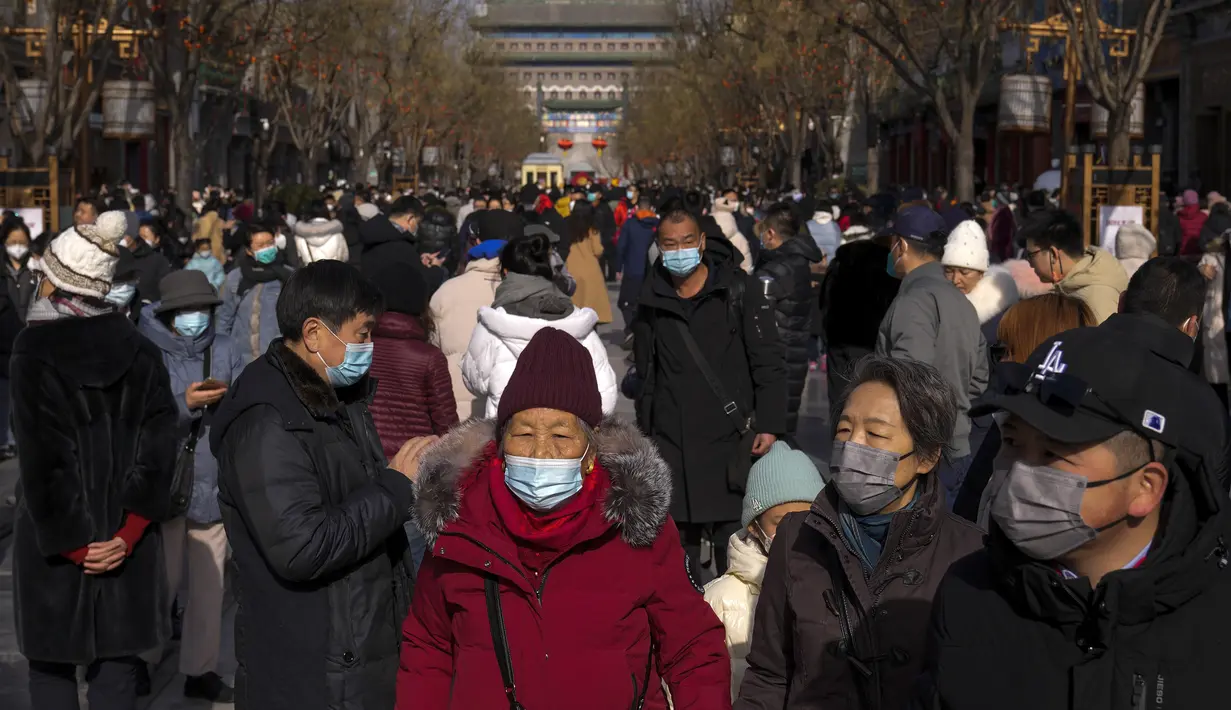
[
  {"x": 185, "y": 164},
  {"x": 795, "y": 153},
  {"x": 1119, "y": 141},
  {"x": 966, "y": 151},
  {"x": 307, "y": 166}
]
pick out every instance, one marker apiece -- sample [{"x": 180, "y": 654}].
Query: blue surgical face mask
[
  {"x": 354, "y": 364},
  {"x": 191, "y": 323},
  {"x": 891, "y": 263},
  {"x": 630, "y": 194},
  {"x": 120, "y": 294},
  {"x": 543, "y": 484},
  {"x": 682, "y": 262},
  {"x": 266, "y": 255}
]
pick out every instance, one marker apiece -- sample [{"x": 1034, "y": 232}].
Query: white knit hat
[
  {"x": 82, "y": 259},
  {"x": 967, "y": 247}
]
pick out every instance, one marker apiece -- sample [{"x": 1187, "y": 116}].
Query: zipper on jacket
[
  {"x": 497, "y": 555},
  {"x": 542, "y": 584},
  {"x": 1139, "y": 692}
]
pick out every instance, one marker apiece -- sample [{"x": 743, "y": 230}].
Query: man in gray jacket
[{"x": 931, "y": 321}]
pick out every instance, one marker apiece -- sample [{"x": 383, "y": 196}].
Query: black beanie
[{"x": 403, "y": 287}]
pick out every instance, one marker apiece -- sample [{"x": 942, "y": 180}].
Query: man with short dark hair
[
  {"x": 1055, "y": 248},
  {"x": 250, "y": 292},
  {"x": 785, "y": 271},
  {"x": 393, "y": 239},
  {"x": 1171, "y": 288},
  {"x": 715, "y": 379},
  {"x": 931, "y": 321},
  {"x": 87, "y": 211},
  {"x": 1104, "y": 580},
  {"x": 313, "y": 513}
]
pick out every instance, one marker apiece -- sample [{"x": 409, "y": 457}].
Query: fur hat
[
  {"x": 82, "y": 259},
  {"x": 967, "y": 247}
]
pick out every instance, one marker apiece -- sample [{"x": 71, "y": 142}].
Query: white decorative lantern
[
  {"x": 1025, "y": 103},
  {"x": 33, "y": 97},
  {"x": 1136, "y": 119},
  {"x": 431, "y": 156},
  {"x": 128, "y": 109}
]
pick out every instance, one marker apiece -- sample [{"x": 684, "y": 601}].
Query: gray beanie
[{"x": 783, "y": 475}]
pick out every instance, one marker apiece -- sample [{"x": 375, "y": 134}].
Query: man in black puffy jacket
[
  {"x": 313, "y": 512},
  {"x": 784, "y": 270}
]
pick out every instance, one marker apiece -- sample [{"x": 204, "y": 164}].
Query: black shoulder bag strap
[
  {"x": 729, "y": 407},
  {"x": 500, "y": 640}
]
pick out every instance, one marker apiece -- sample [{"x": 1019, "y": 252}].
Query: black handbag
[
  {"x": 500, "y": 642},
  {"x": 185, "y": 465}
]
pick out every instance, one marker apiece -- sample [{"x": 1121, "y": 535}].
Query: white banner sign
[
  {"x": 32, "y": 216},
  {"x": 1112, "y": 217}
]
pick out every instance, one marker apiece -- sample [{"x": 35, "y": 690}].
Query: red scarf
[{"x": 551, "y": 531}]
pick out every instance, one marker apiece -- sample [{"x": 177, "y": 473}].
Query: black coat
[
  {"x": 678, "y": 409},
  {"x": 151, "y": 266},
  {"x": 794, "y": 302},
  {"x": 1009, "y": 632},
  {"x": 820, "y": 617},
  {"x": 95, "y": 426},
  {"x": 314, "y": 518},
  {"x": 351, "y": 225},
  {"x": 384, "y": 245},
  {"x": 856, "y": 294}
]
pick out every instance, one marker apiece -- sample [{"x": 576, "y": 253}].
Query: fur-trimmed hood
[
  {"x": 636, "y": 503},
  {"x": 994, "y": 293}
]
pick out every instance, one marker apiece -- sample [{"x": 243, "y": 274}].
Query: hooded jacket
[
  {"x": 414, "y": 396},
  {"x": 320, "y": 239},
  {"x": 825, "y": 232},
  {"x": 1192, "y": 219},
  {"x": 314, "y": 518},
  {"x": 95, "y": 427},
  {"x": 455, "y": 312},
  {"x": 384, "y": 243},
  {"x": 609, "y": 605},
  {"x": 151, "y": 266},
  {"x": 1134, "y": 247},
  {"x": 831, "y": 635},
  {"x": 733, "y": 597},
  {"x": 789, "y": 268},
  {"x": 1099, "y": 280},
  {"x": 932, "y": 322},
  {"x": 184, "y": 359},
  {"x": 499, "y": 338},
  {"x": 994, "y": 293}
]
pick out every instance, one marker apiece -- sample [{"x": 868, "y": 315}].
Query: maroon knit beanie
[{"x": 554, "y": 372}]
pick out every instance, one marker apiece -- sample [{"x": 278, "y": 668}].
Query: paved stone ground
[{"x": 812, "y": 437}]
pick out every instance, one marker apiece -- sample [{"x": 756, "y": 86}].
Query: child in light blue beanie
[{"x": 781, "y": 482}]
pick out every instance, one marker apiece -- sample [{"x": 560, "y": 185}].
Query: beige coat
[
  {"x": 733, "y": 597},
  {"x": 455, "y": 312},
  {"x": 209, "y": 226},
  {"x": 1098, "y": 280},
  {"x": 583, "y": 265}
]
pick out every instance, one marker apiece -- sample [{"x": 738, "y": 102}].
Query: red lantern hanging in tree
[
  {"x": 599, "y": 145},
  {"x": 565, "y": 144}
]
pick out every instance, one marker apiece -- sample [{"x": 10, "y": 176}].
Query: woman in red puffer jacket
[{"x": 414, "y": 394}]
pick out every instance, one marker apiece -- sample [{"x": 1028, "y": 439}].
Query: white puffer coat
[
  {"x": 994, "y": 293},
  {"x": 500, "y": 337},
  {"x": 733, "y": 597},
  {"x": 320, "y": 239}
]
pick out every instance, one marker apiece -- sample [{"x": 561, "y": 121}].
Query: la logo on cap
[
  {"x": 1053, "y": 363},
  {"x": 1153, "y": 421}
]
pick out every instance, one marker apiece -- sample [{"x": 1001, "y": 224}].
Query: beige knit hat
[{"x": 82, "y": 259}]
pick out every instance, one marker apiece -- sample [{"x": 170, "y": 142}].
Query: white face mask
[{"x": 17, "y": 251}]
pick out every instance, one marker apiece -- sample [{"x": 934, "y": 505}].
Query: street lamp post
[
  {"x": 84, "y": 35},
  {"x": 1057, "y": 27}
]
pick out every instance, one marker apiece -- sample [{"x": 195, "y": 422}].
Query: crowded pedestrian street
[{"x": 615, "y": 354}]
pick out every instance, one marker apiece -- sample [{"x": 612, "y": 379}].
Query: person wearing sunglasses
[
  {"x": 1105, "y": 579},
  {"x": 841, "y": 620}
]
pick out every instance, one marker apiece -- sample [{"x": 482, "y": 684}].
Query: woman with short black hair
[{"x": 848, "y": 590}]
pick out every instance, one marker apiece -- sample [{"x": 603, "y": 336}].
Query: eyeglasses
[{"x": 1031, "y": 254}]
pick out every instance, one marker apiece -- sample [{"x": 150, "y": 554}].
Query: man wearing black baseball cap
[
  {"x": 931, "y": 321},
  {"x": 1105, "y": 579}
]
